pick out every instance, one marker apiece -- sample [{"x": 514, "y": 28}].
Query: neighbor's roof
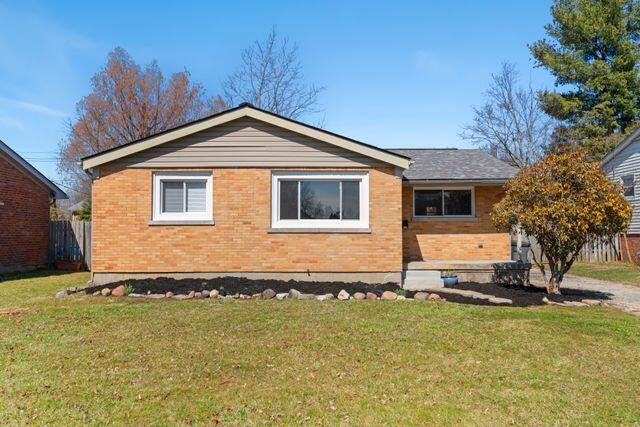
[
  {"x": 633, "y": 136},
  {"x": 245, "y": 110},
  {"x": 25, "y": 166},
  {"x": 451, "y": 164}
]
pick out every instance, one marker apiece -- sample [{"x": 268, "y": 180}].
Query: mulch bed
[
  {"x": 522, "y": 296},
  {"x": 237, "y": 285},
  {"x": 525, "y": 296}
]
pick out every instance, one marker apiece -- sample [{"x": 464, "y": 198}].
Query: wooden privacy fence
[
  {"x": 596, "y": 250},
  {"x": 70, "y": 242}
]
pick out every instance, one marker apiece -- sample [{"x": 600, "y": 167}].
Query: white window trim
[
  {"x": 159, "y": 216},
  {"x": 362, "y": 223},
  {"x": 633, "y": 185},
  {"x": 444, "y": 217}
]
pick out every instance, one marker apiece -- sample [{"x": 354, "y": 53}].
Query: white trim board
[{"x": 254, "y": 113}]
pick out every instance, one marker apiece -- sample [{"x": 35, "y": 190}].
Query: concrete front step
[{"x": 418, "y": 280}]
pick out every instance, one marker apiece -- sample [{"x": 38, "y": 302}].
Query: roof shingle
[{"x": 453, "y": 164}]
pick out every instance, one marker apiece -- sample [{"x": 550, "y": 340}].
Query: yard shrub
[{"x": 562, "y": 201}]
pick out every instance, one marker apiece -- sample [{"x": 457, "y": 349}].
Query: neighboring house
[
  {"x": 250, "y": 193},
  {"x": 622, "y": 165},
  {"x": 25, "y": 197}
]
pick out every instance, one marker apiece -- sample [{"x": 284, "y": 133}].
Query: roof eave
[
  {"x": 54, "y": 190},
  {"x": 442, "y": 181},
  {"x": 621, "y": 146}
]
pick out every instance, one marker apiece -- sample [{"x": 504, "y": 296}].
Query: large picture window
[
  {"x": 179, "y": 196},
  {"x": 443, "y": 202},
  {"x": 320, "y": 200}
]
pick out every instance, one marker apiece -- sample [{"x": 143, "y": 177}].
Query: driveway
[{"x": 625, "y": 297}]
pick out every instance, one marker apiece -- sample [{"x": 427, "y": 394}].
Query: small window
[
  {"x": 448, "y": 202},
  {"x": 629, "y": 185},
  {"x": 182, "y": 196},
  {"x": 319, "y": 199}
]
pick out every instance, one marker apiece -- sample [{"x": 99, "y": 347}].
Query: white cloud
[{"x": 36, "y": 108}]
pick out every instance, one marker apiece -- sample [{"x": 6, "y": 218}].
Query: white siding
[
  {"x": 628, "y": 163},
  {"x": 247, "y": 143}
]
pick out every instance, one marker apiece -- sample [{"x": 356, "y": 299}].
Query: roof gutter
[{"x": 621, "y": 146}]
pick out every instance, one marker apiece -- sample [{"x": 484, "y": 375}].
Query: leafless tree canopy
[
  {"x": 270, "y": 77},
  {"x": 510, "y": 125},
  {"x": 127, "y": 103}
]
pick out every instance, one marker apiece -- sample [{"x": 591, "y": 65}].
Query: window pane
[
  {"x": 457, "y": 202},
  {"x": 320, "y": 199},
  {"x": 350, "y": 199},
  {"x": 428, "y": 202},
  {"x": 288, "y": 199},
  {"x": 172, "y": 196},
  {"x": 196, "y": 196},
  {"x": 627, "y": 182}
]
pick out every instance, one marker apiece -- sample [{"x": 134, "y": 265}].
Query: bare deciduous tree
[
  {"x": 510, "y": 125},
  {"x": 270, "y": 77},
  {"x": 128, "y": 103}
]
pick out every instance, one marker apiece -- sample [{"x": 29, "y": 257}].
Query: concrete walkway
[{"x": 625, "y": 297}]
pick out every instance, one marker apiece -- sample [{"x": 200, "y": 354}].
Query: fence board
[
  {"x": 596, "y": 250},
  {"x": 70, "y": 241}
]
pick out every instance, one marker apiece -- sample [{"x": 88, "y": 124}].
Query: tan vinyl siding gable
[
  {"x": 627, "y": 162},
  {"x": 246, "y": 142}
]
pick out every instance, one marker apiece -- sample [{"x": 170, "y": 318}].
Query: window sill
[
  {"x": 186, "y": 222},
  {"x": 320, "y": 230},
  {"x": 445, "y": 218}
]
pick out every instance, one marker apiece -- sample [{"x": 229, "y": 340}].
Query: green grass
[
  {"x": 90, "y": 360},
  {"x": 616, "y": 272}
]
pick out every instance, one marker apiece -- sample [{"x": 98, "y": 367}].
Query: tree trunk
[{"x": 553, "y": 285}]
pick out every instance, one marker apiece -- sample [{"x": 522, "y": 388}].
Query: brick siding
[
  {"x": 455, "y": 239},
  {"x": 24, "y": 220},
  {"x": 238, "y": 242}
]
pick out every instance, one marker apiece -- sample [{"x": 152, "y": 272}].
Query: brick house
[
  {"x": 249, "y": 193},
  {"x": 25, "y": 197}
]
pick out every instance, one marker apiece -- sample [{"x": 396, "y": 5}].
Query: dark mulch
[
  {"x": 522, "y": 296},
  {"x": 525, "y": 296},
  {"x": 237, "y": 285}
]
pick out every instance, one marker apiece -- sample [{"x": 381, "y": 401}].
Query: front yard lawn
[
  {"x": 90, "y": 360},
  {"x": 615, "y": 272}
]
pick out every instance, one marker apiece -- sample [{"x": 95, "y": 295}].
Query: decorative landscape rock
[
  {"x": 62, "y": 294},
  {"x": 168, "y": 294},
  {"x": 214, "y": 293},
  {"x": 197, "y": 295},
  {"x": 496, "y": 300},
  {"x": 206, "y": 293},
  {"x": 118, "y": 292},
  {"x": 359, "y": 296},
  {"x": 154, "y": 296},
  {"x": 343, "y": 295},
  {"x": 191, "y": 294},
  {"x": 575, "y": 304},
  {"x": 389, "y": 296},
  {"x": 293, "y": 294},
  {"x": 592, "y": 302},
  {"x": 324, "y": 297},
  {"x": 434, "y": 297},
  {"x": 401, "y": 298},
  {"x": 421, "y": 296},
  {"x": 268, "y": 294},
  {"x": 256, "y": 296},
  {"x": 371, "y": 296},
  {"x": 105, "y": 292},
  {"x": 96, "y": 294},
  {"x": 133, "y": 295},
  {"x": 307, "y": 296}
]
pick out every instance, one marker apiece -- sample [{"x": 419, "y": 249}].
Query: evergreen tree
[{"x": 594, "y": 54}]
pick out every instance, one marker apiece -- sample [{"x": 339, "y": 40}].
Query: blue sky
[{"x": 397, "y": 74}]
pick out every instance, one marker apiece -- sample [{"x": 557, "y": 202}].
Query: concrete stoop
[{"x": 420, "y": 280}]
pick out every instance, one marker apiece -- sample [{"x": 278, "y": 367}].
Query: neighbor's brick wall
[
  {"x": 24, "y": 220},
  {"x": 238, "y": 242},
  {"x": 456, "y": 240},
  {"x": 632, "y": 252}
]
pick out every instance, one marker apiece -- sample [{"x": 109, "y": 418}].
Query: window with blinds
[{"x": 182, "y": 197}]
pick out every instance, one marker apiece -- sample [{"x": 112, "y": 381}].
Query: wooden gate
[{"x": 70, "y": 242}]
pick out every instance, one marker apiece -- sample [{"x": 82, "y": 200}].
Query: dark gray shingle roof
[{"x": 454, "y": 164}]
